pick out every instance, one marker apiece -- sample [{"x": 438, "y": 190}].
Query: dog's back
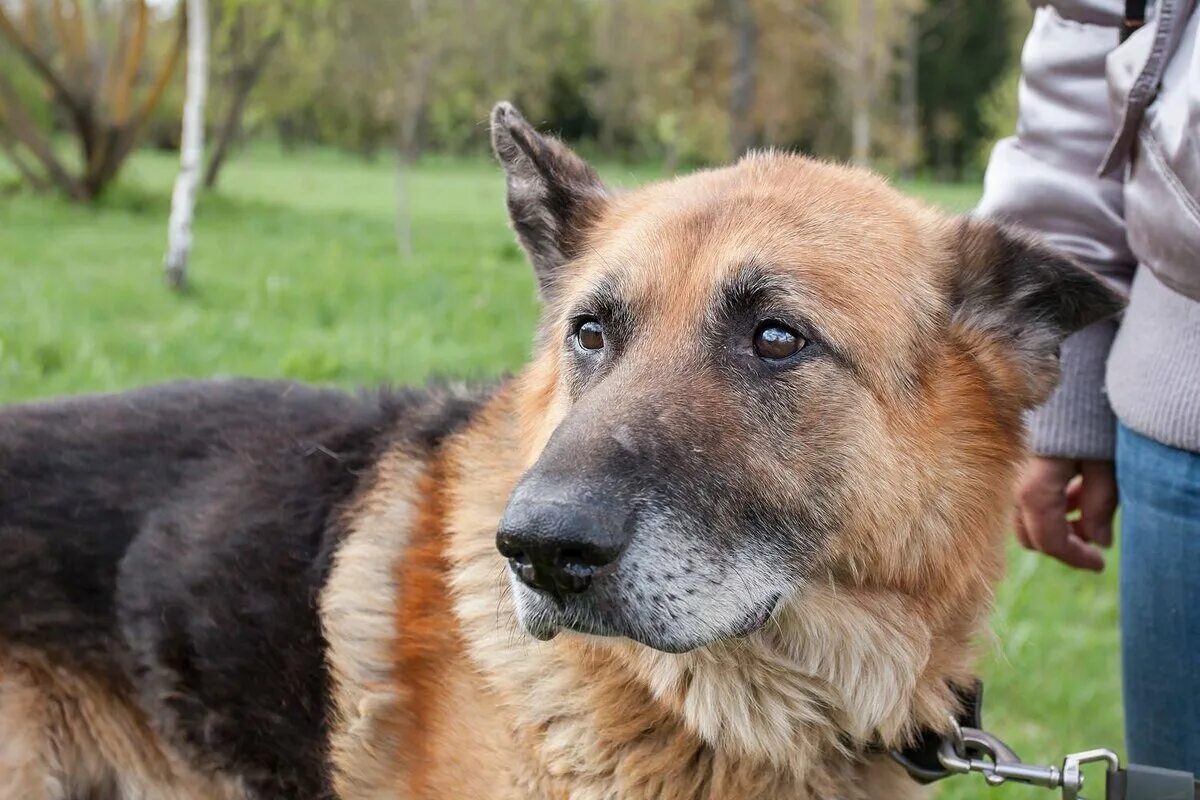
[
  {"x": 171, "y": 544},
  {"x": 84, "y": 480}
]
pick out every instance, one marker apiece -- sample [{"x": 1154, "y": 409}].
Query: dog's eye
[
  {"x": 590, "y": 334},
  {"x": 774, "y": 340}
]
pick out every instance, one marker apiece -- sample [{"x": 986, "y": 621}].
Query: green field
[{"x": 296, "y": 273}]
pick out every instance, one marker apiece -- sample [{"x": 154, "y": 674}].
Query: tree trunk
[
  {"x": 23, "y": 129},
  {"x": 862, "y": 88},
  {"x": 910, "y": 131},
  {"x": 191, "y": 148},
  {"x": 244, "y": 81},
  {"x": 411, "y": 93},
  {"x": 9, "y": 146},
  {"x": 742, "y": 81},
  {"x": 226, "y": 133}
]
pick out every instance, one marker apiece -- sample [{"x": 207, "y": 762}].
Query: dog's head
[{"x": 755, "y": 376}]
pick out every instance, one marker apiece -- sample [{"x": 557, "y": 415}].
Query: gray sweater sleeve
[{"x": 1046, "y": 179}]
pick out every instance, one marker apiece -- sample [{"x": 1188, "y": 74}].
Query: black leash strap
[
  {"x": 1135, "y": 17},
  {"x": 1136, "y": 782},
  {"x": 969, "y": 748}
]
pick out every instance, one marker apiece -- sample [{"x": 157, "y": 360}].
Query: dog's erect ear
[
  {"x": 1010, "y": 289},
  {"x": 552, "y": 193}
]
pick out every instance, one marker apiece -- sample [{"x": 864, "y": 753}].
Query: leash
[{"x": 969, "y": 748}]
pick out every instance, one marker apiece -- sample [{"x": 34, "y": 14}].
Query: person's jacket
[{"x": 1105, "y": 163}]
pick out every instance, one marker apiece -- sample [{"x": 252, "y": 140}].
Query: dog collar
[{"x": 920, "y": 759}]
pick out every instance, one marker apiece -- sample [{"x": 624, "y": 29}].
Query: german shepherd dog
[{"x": 731, "y": 534}]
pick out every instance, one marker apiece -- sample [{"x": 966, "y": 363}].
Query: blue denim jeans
[{"x": 1160, "y": 600}]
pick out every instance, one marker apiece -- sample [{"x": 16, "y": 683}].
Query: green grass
[{"x": 296, "y": 274}]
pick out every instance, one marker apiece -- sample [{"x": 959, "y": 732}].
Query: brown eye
[
  {"x": 590, "y": 335},
  {"x": 774, "y": 340}
]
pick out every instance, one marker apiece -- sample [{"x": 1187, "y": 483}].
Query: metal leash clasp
[
  {"x": 1073, "y": 778},
  {"x": 974, "y": 750}
]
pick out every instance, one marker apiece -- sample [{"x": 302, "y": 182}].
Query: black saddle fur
[{"x": 175, "y": 540}]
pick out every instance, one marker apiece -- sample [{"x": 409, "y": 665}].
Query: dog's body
[{"x": 758, "y": 470}]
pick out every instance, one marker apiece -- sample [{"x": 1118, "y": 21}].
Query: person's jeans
[{"x": 1160, "y": 601}]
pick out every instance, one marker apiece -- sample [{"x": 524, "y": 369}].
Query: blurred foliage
[
  {"x": 95, "y": 69},
  {"x": 998, "y": 108},
  {"x": 964, "y": 50},
  {"x": 924, "y": 79}
]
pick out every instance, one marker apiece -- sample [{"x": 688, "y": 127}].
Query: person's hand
[{"x": 1048, "y": 489}]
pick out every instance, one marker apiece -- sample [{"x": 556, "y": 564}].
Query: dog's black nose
[{"x": 557, "y": 538}]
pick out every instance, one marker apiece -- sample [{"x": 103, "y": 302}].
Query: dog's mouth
[
  {"x": 544, "y": 620},
  {"x": 757, "y": 617}
]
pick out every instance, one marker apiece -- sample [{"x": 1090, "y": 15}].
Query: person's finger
[
  {"x": 1053, "y": 536},
  {"x": 1098, "y": 502},
  {"x": 1078, "y": 553},
  {"x": 1042, "y": 500},
  {"x": 1074, "y": 494},
  {"x": 1050, "y": 533}
]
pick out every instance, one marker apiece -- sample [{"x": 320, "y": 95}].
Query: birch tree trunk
[{"x": 191, "y": 148}]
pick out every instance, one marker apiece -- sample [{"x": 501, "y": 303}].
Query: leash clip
[
  {"x": 969, "y": 749},
  {"x": 1073, "y": 778}
]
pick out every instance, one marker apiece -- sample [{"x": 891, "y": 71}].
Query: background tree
[
  {"x": 95, "y": 63},
  {"x": 744, "y": 76},
  {"x": 246, "y": 33},
  {"x": 906, "y": 85},
  {"x": 191, "y": 148},
  {"x": 965, "y": 50}
]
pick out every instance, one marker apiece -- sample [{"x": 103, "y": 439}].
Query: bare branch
[
  {"x": 132, "y": 130},
  {"x": 832, "y": 43},
  {"x": 70, "y": 40},
  {"x": 112, "y": 64},
  {"x": 263, "y": 54},
  {"x": 24, "y": 130},
  {"x": 39, "y": 64},
  {"x": 8, "y": 144},
  {"x": 945, "y": 10},
  {"x": 30, "y": 19},
  {"x": 133, "y": 61}
]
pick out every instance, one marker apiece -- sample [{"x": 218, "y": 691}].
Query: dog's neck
[{"x": 773, "y": 714}]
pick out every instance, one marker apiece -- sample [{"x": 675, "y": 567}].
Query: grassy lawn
[{"x": 296, "y": 274}]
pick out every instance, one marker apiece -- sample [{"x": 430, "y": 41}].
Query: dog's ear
[
  {"x": 1012, "y": 290},
  {"x": 553, "y": 194}
]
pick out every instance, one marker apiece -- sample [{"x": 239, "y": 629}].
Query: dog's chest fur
[{"x": 476, "y": 708}]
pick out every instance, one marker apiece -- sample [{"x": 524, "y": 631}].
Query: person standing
[{"x": 1105, "y": 164}]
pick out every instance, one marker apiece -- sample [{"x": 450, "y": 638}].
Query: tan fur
[
  {"x": 864, "y": 654},
  {"x": 65, "y": 735},
  {"x": 358, "y": 623}
]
